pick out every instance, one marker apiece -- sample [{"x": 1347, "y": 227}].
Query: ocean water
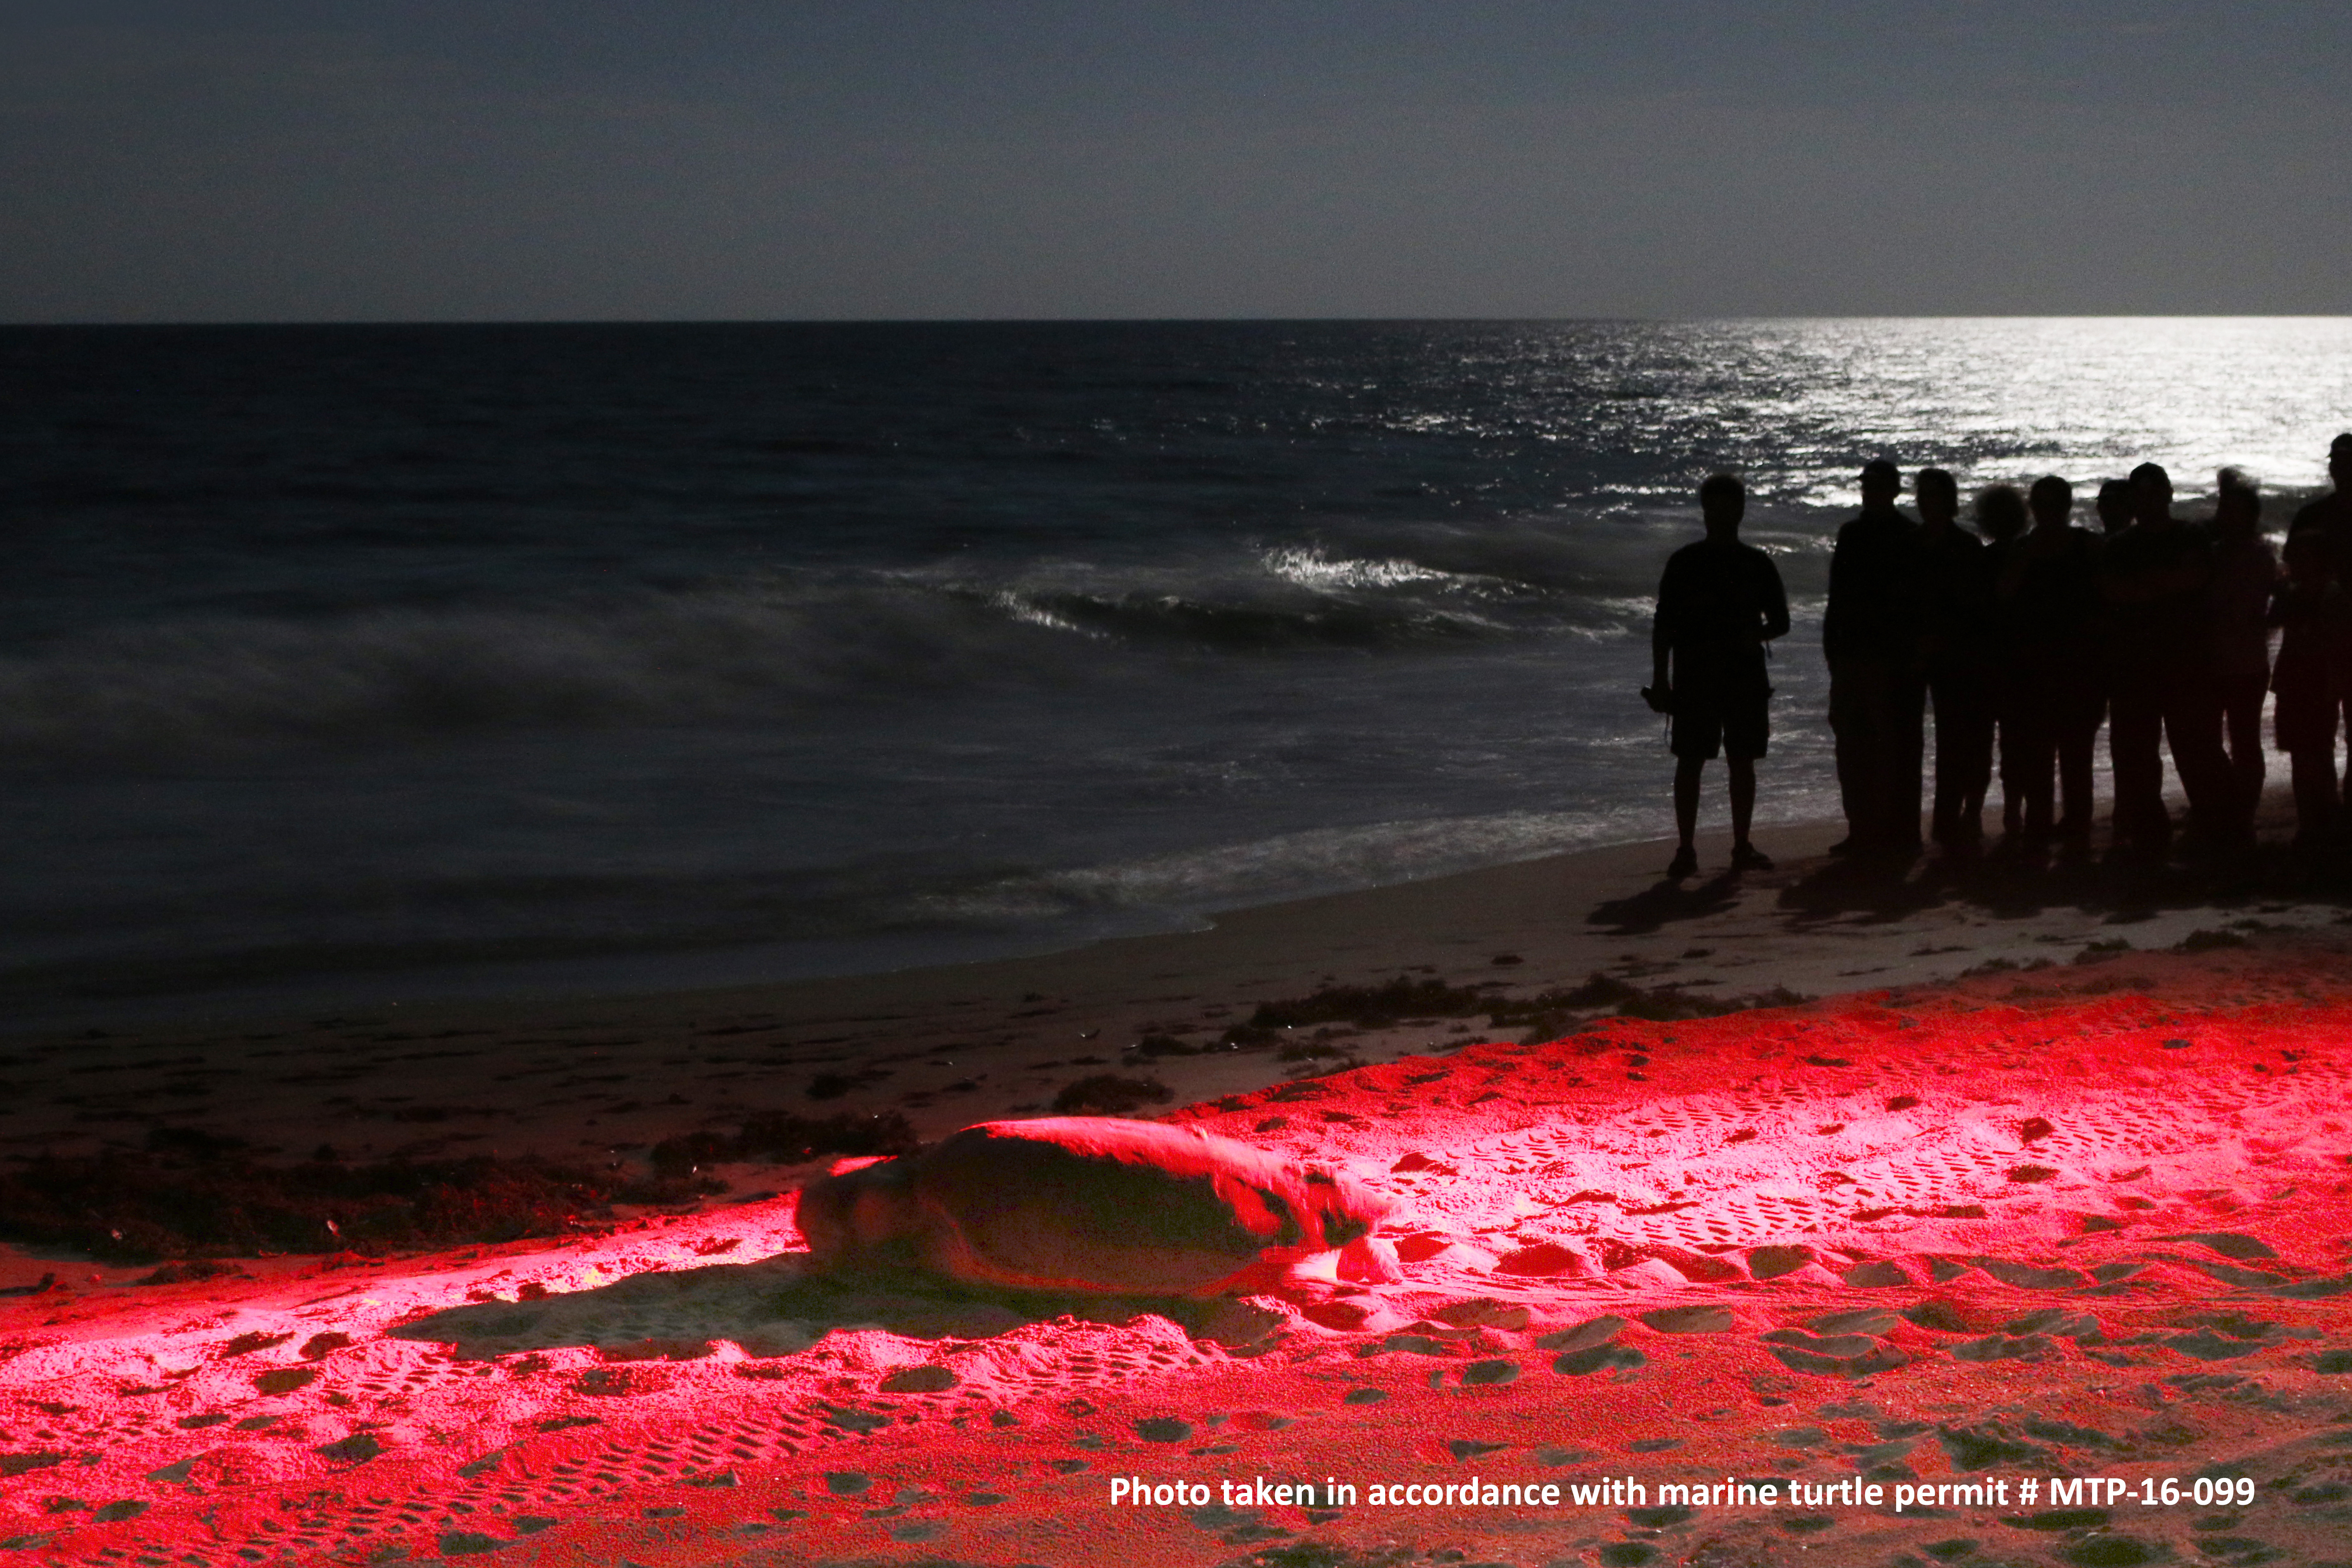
[{"x": 363, "y": 663}]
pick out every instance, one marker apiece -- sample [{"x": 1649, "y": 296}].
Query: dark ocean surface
[{"x": 361, "y": 663}]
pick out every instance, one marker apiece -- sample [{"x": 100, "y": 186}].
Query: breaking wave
[{"x": 396, "y": 675}]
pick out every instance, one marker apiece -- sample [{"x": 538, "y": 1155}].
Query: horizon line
[{"x": 200, "y": 322}]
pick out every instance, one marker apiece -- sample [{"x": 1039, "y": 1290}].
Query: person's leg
[
  {"x": 1868, "y": 702},
  {"x": 1906, "y": 758},
  {"x": 1980, "y": 715},
  {"x": 2135, "y": 728},
  {"x": 1688, "y": 770},
  {"x": 2313, "y": 771},
  {"x": 2078, "y": 737},
  {"x": 1878, "y": 701},
  {"x": 2242, "y": 718},
  {"x": 1964, "y": 724},
  {"x": 1745, "y": 856},
  {"x": 1747, "y": 731},
  {"x": 1943, "y": 697},
  {"x": 2340, "y": 708},
  {"x": 2028, "y": 756},
  {"x": 1688, "y": 773},
  {"x": 2007, "y": 744},
  {"x": 2323, "y": 764},
  {"x": 2192, "y": 727},
  {"x": 1873, "y": 709},
  {"x": 2028, "y": 735},
  {"x": 1848, "y": 732},
  {"x": 2076, "y": 744},
  {"x": 2316, "y": 738}
]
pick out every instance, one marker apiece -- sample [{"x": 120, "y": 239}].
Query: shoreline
[
  {"x": 949, "y": 1044},
  {"x": 650, "y": 972}
]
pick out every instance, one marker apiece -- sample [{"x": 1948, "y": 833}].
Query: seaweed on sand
[
  {"x": 1108, "y": 1094},
  {"x": 780, "y": 1137},
  {"x": 184, "y": 1197},
  {"x": 1543, "y": 1017}
]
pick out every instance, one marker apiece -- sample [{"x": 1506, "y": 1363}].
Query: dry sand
[{"x": 2078, "y": 1215}]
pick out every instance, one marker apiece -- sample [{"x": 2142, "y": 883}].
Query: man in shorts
[{"x": 1719, "y": 602}]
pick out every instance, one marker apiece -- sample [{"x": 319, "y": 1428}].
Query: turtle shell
[{"x": 1088, "y": 1203}]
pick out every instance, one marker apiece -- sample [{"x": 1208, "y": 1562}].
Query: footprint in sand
[
  {"x": 1689, "y": 1319},
  {"x": 1878, "y": 1275},
  {"x": 2229, "y": 1244},
  {"x": 1483, "y": 1311},
  {"x": 2027, "y": 1277},
  {"x": 1592, "y": 1347},
  {"x": 2006, "y": 1347},
  {"x": 2226, "y": 1339},
  {"x": 1543, "y": 1259},
  {"x": 1444, "y": 1249},
  {"x": 1341, "y": 1314},
  {"x": 1942, "y": 1316},
  {"x": 1836, "y": 1355},
  {"x": 919, "y": 1380},
  {"x": 1584, "y": 1336},
  {"x": 1772, "y": 1262}
]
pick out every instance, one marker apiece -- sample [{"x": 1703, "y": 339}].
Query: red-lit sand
[
  {"x": 1990, "y": 1230},
  {"x": 1817, "y": 1279}
]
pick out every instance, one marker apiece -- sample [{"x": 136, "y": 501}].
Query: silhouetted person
[
  {"x": 1955, "y": 604},
  {"x": 2331, "y": 516},
  {"x": 1718, "y": 604},
  {"x": 2049, "y": 629},
  {"x": 2245, "y": 574},
  {"x": 2001, "y": 518},
  {"x": 2155, "y": 580},
  {"x": 2332, "y": 513},
  {"x": 2315, "y": 622},
  {"x": 2113, "y": 507},
  {"x": 1869, "y": 637}
]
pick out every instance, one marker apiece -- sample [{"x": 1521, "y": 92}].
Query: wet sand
[{"x": 951, "y": 1046}]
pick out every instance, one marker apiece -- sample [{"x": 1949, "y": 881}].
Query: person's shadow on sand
[
  {"x": 779, "y": 1307},
  {"x": 1664, "y": 903},
  {"x": 2011, "y": 886},
  {"x": 1882, "y": 888}
]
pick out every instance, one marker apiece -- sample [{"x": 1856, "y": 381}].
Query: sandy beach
[
  {"x": 951, "y": 1046},
  {"x": 1991, "y": 1175},
  {"x": 886, "y": 786}
]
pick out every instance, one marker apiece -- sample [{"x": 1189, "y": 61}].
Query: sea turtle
[{"x": 1095, "y": 1204}]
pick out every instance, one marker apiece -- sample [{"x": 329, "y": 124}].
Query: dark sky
[{"x": 249, "y": 160}]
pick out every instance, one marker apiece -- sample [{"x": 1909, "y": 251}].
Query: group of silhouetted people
[{"x": 2023, "y": 635}]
